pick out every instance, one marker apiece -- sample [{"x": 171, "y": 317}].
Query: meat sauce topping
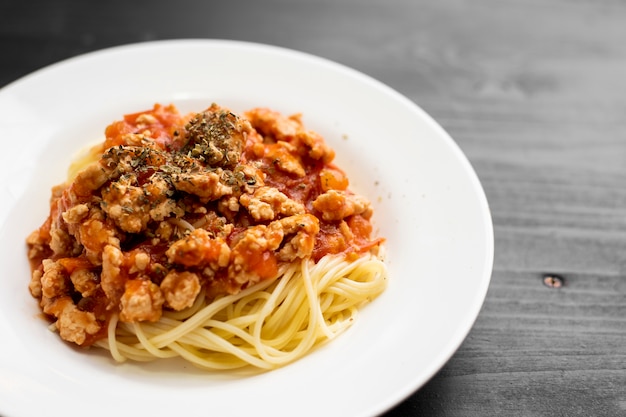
[{"x": 175, "y": 204}]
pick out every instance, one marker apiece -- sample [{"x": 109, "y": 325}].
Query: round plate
[{"x": 428, "y": 203}]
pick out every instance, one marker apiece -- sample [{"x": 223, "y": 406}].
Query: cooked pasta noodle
[
  {"x": 227, "y": 241},
  {"x": 266, "y": 326},
  {"x": 83, "y": 159}
]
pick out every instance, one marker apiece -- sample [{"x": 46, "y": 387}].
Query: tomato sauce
[{"x": 213, "y": 196}]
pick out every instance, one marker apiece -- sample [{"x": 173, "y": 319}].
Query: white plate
[{"x": 428, "y": 202}]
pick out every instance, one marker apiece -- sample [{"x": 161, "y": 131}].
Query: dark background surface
[{"x": 533, "y": 91}]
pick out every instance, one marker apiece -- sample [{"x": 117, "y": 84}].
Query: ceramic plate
[{"x": 427, "y": 199}]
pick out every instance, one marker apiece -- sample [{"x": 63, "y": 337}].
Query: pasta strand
[{"x": 265, "y": 326}]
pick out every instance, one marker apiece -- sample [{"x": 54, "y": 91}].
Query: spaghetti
[{"x": 226, "y": 240}]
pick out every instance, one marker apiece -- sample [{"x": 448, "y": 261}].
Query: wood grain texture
[{"x": 533, "y": 91}]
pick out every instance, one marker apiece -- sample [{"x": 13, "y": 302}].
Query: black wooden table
[{"x": 533, "y": 91}]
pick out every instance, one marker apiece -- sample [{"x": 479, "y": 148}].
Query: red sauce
[
  {"x": 263, "y": 263},
  {"x": 298, "y": 166},
  {"x": 167, "y": 132},
  {"x": 74, "y": 264}
]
